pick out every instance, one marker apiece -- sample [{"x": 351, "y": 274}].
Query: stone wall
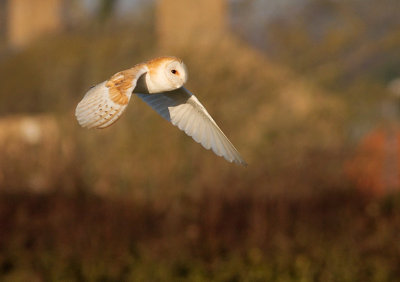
[
  {"x": 28, "y": 20},
  {"x": 183, "y": 21}
]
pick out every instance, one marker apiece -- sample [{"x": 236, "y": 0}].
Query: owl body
[{"x": 159, "y": 83}]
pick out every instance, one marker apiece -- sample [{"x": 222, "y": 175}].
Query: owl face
[
  {"x": 176, "y": 73},
  {"x": 166, "y": 74}
]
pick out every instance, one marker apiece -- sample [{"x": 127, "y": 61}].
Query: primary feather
[{"x": 185, "y": 111}]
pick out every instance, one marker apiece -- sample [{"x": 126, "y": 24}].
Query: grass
[{"x": 331, "y": 237}]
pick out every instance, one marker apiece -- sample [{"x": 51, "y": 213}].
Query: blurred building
[
  {"x": 23, "y": 21},
  {"x": 375, "y": 166},
  {"x": 29, "y": 147},
  {"x": 203, "y": 26},
  {"x": 28, "y": 20},
  {"x": 181, "y": 21}
]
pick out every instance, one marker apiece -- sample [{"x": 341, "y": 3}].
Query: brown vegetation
[{"x": 215, "y": 236}]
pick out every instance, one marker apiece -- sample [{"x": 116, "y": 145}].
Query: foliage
[{"x": 215, "y": 236}]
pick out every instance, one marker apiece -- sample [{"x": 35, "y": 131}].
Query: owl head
[{"x": 166, "y": 74}]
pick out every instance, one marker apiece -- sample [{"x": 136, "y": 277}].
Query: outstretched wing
[
  {"x": 185, "y": 111},
  {"x": 104, "y": 103}
]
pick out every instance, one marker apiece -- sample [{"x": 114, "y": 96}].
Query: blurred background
[{"x": 307, "y": 90}]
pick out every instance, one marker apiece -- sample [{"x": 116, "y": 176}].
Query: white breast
[
  {"x": 157, "y": 82},
  {"x": 148, "y": 84}
]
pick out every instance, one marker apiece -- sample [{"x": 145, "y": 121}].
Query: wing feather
[
  {"x": 207, "y": 136},
  {"x": 104, "y": 103},
  {"x": 185, "y": 111}
]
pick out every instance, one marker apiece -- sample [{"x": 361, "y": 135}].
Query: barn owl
[{"x": 159, "y": 83}]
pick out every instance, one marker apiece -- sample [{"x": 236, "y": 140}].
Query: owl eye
[{"x": 174, "y": 71}]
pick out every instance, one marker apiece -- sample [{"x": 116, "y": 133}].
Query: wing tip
[
  {"x": 243, "y": 163},
  {"x": 238, "y": 161}
]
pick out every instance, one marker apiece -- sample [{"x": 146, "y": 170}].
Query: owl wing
[
  {"x": 104, "y": 103},
  {"x": 185, "y": 111}
]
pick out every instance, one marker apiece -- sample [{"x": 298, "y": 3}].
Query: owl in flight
[{"x": 159, "y": 83}]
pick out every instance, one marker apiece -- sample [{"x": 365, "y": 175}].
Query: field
[{"x": 218, "y": 237}]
